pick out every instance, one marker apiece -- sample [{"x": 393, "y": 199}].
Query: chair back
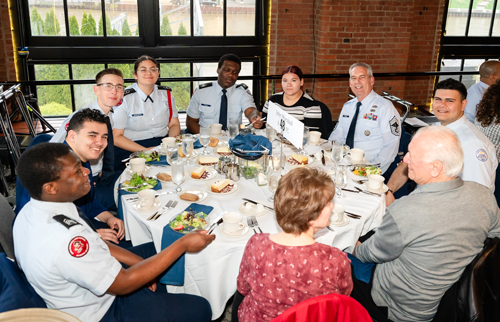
[
  {"x": 330, "y": 307},
  {"x": 7, "y": 216}
]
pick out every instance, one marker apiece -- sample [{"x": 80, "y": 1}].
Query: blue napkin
[
  {"x": 251, "y": 142},
  {"x": 175, "y": 273},
  {"x": 362, "y": 271},
  {"x": 162, "y": 161},
  {"x": 119, "y": 212},
  {"x": 197, "y": 144}
]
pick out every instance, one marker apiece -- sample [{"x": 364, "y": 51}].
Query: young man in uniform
[
  {"x": 222, "y": 101},
  {"x": 77, "y": 272}
]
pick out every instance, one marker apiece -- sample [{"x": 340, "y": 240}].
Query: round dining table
[{"x": 212, "y": 272}]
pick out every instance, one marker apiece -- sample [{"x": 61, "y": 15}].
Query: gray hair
[
  {"x": 368, "y": 68},
  {"x": 445, "y": 147}
]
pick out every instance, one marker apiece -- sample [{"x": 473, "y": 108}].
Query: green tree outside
[
  {"x": 36, "y": 23},
  {"x": 165, "y": 29},
  {"x": 180, "y": 90},
  {"x": 74, "y": 28},
  {"x": 182, "y": 30},
  {"x": 126, "y": 29},
  {"x": 92, "y": 25},
  {"x": 51, "y": 25}
]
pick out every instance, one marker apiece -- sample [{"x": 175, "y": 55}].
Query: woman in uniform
[
  {"x": 299, "y": 104},
  {"x": 146, "y": 115}
]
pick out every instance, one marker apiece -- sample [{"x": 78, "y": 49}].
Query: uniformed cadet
[
  {"x": 489, "y": 72},
  {"x": 480, "y": 161},
  {"x": 222, "y": 101},
  {"x": 73, "y": 269},
  {"x": 369, "y": 121},
  {"x": 147, "y": 114}
]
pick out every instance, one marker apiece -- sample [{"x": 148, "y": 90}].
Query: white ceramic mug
[
  {"x": 338, "y": 214},
  {"x": 137, "y": 165},
  {"x": 314, "y": 136},
  {"x": 375, "y": 181},
  {"x": 216, "y": 129},
  {"x": 232, "y": 222},
  {"x": 146, "y": 198},
  {"x": 356, "y": 155}
]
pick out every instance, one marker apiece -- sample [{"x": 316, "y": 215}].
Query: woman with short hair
[{"x": 278, "y": 271}]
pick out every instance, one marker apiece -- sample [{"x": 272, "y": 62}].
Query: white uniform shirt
[
  {"x": 378, "y": 128},
  {"x": 474, "y": 96},
  {"x": 480, "y": 160},
  {"x": 205, "y": 103},
  {"x": 73, "y": 284},
  {"x": 60, "y": 137},
  {"x": 142, "y": 118}
]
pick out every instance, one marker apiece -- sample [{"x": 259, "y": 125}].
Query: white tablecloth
[{"x": 212, "y": 272}]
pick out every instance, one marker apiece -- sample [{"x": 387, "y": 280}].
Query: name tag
[
  {"x": 345, "y": 115},
  {"x": 208, "y": 105},
  {"x": 134, "y": 115}
]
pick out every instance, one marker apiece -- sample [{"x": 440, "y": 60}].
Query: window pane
[
  {"x": 47, "y": 20},
  {"x": 180, "y": 90},
  {"x": 127, "y": 70},
  {"x": 457, "y": 17},
  {"x": 83, "y": 20},
  {"x": 84, "y": 94},
  {"x": 496, "y": 25},
  {"x": 241, "y": 18},
  {"x": 208, "y": 18},
  {"x": 480, "y": 21},
  {"x": 55, "y": 99},
  {"x": 121, "y": 18},
  {"x": 173, "y": 14},
  {"x": 448, "y": 65},
  {"x": 471, "y": 65}
]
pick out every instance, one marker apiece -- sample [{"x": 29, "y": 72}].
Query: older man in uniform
[
  {"x": 480, "y": 161},
  {"x": 73, "y": 269},
  {"x": 369, "y": 121},
  {"x": 222, "y": 101},
  {"x": 426, "y": 239},
  {"x": 489, "y": 72}
]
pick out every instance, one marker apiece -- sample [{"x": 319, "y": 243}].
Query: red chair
[{"x": 326, "y": 308}]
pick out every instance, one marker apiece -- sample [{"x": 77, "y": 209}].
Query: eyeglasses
[
  {"x": 108, "y": 87},
  {"x": 151, "y": 70}
]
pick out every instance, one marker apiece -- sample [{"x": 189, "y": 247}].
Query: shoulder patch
[
  {"x": 394, "y": 124},
  {"x": 128, "y": 91},
  {"x": 78, "y": 247},
  {"x": 205, "y": 85},
  {"x": 66, "y": 221},
  {"x": 481, "y": 155},
  {"x": 242, "y": 85},
  {"x": 166, "y": 88}
]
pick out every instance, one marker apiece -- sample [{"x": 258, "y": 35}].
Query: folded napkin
[
  {"x": 362, "y": 271},
  {"x": 121, "y": 193},
  {"x": 162, "y": 161},
  {"x": 175, "y": 273},
  {"x": 197, "y": 144},
  {"x": 251, "y": 142}
]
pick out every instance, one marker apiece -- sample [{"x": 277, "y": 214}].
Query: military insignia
[
  {"x": 66, "y": 221},
  {"x": 375, "y": 117},
  {"x": 481, "y": 155},
  {"x": 345, "y": 115},
  {"x": 367, "y": 133},
  {"x": 242, "y": 85},
  {"x": 66, "y": 126},
  {"x": 205, "y": 85},
  {"x": 394, "y": 125},
  {"x": 129, "y": 91},
  {"x": 119, "y": 103},
  {"x": 78, "y": 247},
  {"x": 374, "y": 106},
  {"x": 165, "y": 88},
  {"x": 372, "y": 110}
]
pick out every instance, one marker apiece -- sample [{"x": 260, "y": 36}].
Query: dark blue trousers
[
  {"x": 121, "y": 154},
  {"x": 145, "y": 305},
  {"x": 104, "y": 190}
]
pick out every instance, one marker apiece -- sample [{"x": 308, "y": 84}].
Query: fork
[
  {"x": 251, "y": 224},
  {"x": 172, "y": 206},
  {"x": 254, "y": 220},
  {"x": 162, "y": 209}
]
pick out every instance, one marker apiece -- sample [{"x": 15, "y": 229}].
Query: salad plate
[
  {"x": 156, "y": 206},
  {"x": 131, "y": 173},
  {"x": 139, "y": 180},
  {"x": 239, "y": 233},
  {"x": 364, "y": 171},
  {"x": 148, "y": 155},
  {"x": 187, "y": 221}
]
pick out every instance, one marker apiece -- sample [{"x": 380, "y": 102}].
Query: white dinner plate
[
  {"x": 212, "y": 173},
  {"x": 240, "y": 233},
  {"x": 383, "y": 190},
  {"x": 155, "y": 206},
  {"x": 131, "y": 173},
  {"x": 201, "y": 194},
  {"x": 209, "y": 165},
  {"x": 340, "y": 224},
  {"x": 289, "y": 157},
  {"x": 253, "y": 210},
  {"x": 209, "y": 189}
]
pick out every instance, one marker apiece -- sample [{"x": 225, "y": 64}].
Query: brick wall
[
  {"x": 391, "y": 36},
  {"x": 7, "y": 68}
]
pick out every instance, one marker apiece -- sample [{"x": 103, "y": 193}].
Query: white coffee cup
[
  {"x": 356, "y": 155},
  {"x": 216, "y": 129},
  {"x": 314, "y": 136},
  {"x": 375, "y": 181},
  {"x": 146, "y": 198},
  {"x": 165, "y": 142},
  {"x": 137, "y": 165},
  {"x": 232, "y": 222},
  {"x": 338, "y": 214}
]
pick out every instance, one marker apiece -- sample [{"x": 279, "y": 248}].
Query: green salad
[
  {"x": 149, "y": 156},
  {"x": 367, "y": 170},
  {"x": 139, "y": 180},
  {"x": 188, "y": 221}
]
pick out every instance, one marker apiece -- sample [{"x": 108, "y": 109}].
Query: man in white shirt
[{"x": 489, "y": 72}]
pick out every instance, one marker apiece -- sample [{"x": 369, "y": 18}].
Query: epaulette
[
  {"x": 129, "y": 91},
  {"x": 166, "y": 88},
  {"x": 205, "y": 85},
  {"x": 66, "y": 221},
  {"x": 242, "y": 85}
]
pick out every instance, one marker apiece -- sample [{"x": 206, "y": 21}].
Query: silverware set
[
  {"x": 358, "y": 190},
  {"x": 351, "y": 215},
  {"x": 158, "y": 194},
  {"x": 252, "y": 222},
  {"x": 171, "y": 204}
]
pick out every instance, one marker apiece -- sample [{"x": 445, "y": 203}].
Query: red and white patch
[
  {"x": 66, "y": 126},
  {"x": 78, "y": 247},
  {"x": 120, "y": 102}
]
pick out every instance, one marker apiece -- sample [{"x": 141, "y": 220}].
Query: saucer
[
  {"x": 201, "y": 194},
  {"x": 156, "y": 206},
  {"x": 320, "y": 142},
  {"x": 383, "y": 190},
  {"x": 212, "y": 173},
  {"x": 253, "y": 210},
  {"x": 239, "y": 233},
  {"x": 340, "y": 224},
  {"x": 131, "y": 173},
  {"x": 362, "y": 162}
]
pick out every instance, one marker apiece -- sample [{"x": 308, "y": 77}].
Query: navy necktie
[
  {"x": 108, "y": 160},
  {"x": 352, "y": 129},
  {"x": 85, "y": 218},
  {"x": 223, "y": 110}
]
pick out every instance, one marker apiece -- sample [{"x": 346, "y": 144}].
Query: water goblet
[
  {"x": 337, "y": 153},
  {"x": 204, "y": 138},
  {"x": 305, "y": 141},
  {"x": 187, "y": 146},
  {"x": 178, "y": 174},
  {"x": 340, "y": 180},
  {"x": 172, "y": 152},
  {"x": 273, "y": 177},
  {"x": 233, "y": 128}
]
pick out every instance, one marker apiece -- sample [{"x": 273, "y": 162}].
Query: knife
[
  {"x": 258, "y": 203},
  {"x": 217, "y": 221},
  {"x": 158, "y": 194},
  {"x": 323, "y": 157},
  {"x": 368, "y": 192}
]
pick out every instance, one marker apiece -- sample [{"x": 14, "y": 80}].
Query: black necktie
[
  {"x": 85, "y": 218},
  {"x": 223, "y": 110},
  {"x": 350, "y": 135},
  {"x": 108, "y": 160}
]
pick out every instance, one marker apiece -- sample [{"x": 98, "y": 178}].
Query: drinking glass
[
  {"x": 187, "y": 146},
  {"x": 234, "y": 129},
  {"x": 271, "y": 134},
  {"x": 337, "y": 153},
  {"x": 273, "y": 177},
  {"x": 172, "y": 152},
  {"x": 305, "y": 141},
  {"x": 340, "y": 180},
  {"x": 178, "y": 174},
  {"x": 204, "y": 138}
]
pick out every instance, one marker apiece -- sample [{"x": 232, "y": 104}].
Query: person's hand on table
[
  {"x": 117, "y": 225},
  {"x": 197, "y": 240},
  {"x": 108, "y": 234}
]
